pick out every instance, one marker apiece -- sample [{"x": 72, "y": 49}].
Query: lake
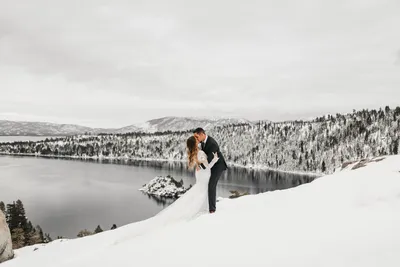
[{"x": 65, "y": 196}]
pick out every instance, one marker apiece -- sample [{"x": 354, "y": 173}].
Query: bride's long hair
[{"x": 192, "y": 149}]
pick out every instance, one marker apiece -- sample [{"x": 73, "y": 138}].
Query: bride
[
  {"x": 195, "y": 200},
  {"x": 189, "y": 205}
]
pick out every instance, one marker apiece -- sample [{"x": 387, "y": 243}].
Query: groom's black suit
[{"x": 210, "y": 147}]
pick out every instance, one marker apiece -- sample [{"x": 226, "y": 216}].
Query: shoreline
[{"x": 127, "y": 159}]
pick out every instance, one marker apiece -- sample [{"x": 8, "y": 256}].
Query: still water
[{"x": 66, "y": 196}]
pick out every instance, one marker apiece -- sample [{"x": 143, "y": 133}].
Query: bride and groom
[
  {"x": 209, "y": 162},
  {"x": 205, "y": 157}
]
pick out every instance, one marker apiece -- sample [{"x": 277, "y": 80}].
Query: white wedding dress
[
  {"x": 194, "y": 201},
  {"x": 188, "y": 206}
]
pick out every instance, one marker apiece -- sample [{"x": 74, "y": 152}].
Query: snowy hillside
[
  {"x": 318, "y": 146},
  {"x": 348, "y": 219}
]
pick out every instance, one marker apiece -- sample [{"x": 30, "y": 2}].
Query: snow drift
[{"x": 350, "y": 218}]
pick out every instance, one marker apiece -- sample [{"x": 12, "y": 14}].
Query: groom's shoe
[{"x": 212, "y": 211}]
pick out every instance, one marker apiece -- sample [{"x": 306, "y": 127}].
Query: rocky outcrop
[
  {"x": 6, "y": 251},
  {"x": 166, "y": 187}
]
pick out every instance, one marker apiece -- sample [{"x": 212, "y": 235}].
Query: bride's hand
[{"x": 215, "y": 156}]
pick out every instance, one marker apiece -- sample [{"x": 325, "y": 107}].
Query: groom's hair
[{"x": 199, "y": 130}]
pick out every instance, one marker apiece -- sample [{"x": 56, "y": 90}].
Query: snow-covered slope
[
  {"x": 349, "y": 218},
  {"x": 180, "y": 124}
]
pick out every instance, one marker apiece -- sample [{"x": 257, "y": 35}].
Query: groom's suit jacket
[{"x": 210, "y": 147}]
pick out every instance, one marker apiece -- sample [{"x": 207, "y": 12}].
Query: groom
[{"x": 210, "y": 146}]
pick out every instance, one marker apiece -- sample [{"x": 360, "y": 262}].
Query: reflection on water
[{"x": 161, "y": 201}]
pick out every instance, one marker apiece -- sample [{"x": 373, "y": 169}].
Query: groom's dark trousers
[
  {"x": 216, "y": 173},
  {"x": 210, "y": 147}
]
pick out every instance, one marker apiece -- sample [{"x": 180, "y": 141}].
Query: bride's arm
[
  {"x": 203, "y": 159},
  {"x": 214, "y": 160}
]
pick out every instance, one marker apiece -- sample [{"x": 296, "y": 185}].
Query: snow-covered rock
[
  {"x": 347, "y": 219},
  {"x": 6, "y": 251},
  {"x": 166, "y": 187}
]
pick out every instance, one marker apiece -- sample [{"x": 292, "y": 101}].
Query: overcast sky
[{"x": 115, "y": 63}]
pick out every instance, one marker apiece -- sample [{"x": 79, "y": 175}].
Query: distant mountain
[
  {"x": 42, "y": 128},
  {"x": 179, "y": 124},
  {"x": 20, "y": 128}
]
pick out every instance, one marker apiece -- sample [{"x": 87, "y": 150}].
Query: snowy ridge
[{"x": 347, "y": 219}]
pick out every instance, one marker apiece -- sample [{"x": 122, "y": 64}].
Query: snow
[{"x": 350, "y": 218}]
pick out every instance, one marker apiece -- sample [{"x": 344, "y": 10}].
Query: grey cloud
[{"x": 259, "y": 58}]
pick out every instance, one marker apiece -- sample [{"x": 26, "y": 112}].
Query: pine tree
[
  {"x": 11, "y": 216},
  {"x": 18, "y": 238},
  {"x": 33, "y": 237},
  {"x": 84, "y": 233},
  {"x": 396, "y": 147},
  {"x": 21, "y": 218},
  {"x": 98, "y": 229},
  {"x": 47, "y": 238},
  {"x": 40, "y": 232},
  {"x": 323, "y": 166},
  {"x": 2, "y": 207}
]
